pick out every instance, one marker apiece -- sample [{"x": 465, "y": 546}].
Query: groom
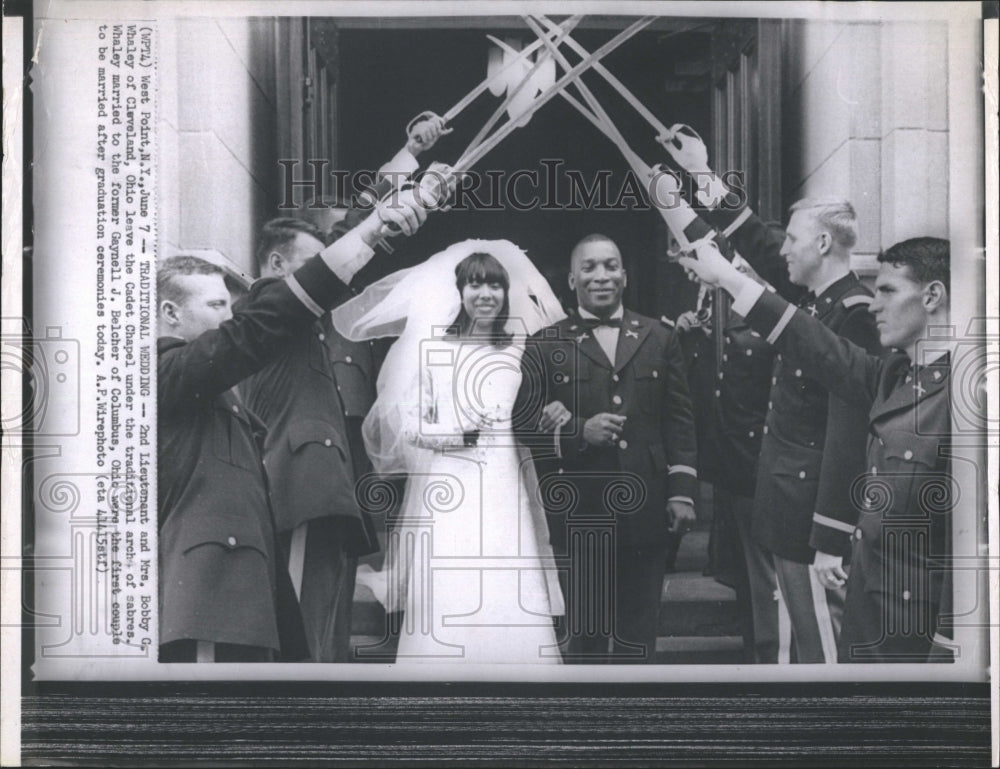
[{"x": 604, "y": 407}]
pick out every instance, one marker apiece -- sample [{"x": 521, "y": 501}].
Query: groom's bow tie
[{"x": 592, "y": 323}]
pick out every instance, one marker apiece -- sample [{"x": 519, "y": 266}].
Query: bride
[{"x": 469, "y": 561}]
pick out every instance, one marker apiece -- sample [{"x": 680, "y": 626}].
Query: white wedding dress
[
  {"x": 474, "y": 568},
  {"x": 469, "y": 559}
]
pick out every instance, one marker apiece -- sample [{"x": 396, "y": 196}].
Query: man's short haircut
[
  {"x": 929, "y": 259},
  {"x": 595, "y": 237},
  {"x": 835, "y": 215},
  {"x": 278, "y": 233},
  {"x": 167, "y": 287}
]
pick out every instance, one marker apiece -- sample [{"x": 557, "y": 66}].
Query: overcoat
[
  {"x": 307, "y": 398},
  {"x": 219, "y": 579}
]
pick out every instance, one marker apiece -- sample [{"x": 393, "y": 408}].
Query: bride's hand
[{"x": 471, "y": 421}]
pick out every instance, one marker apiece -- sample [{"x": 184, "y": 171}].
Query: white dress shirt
[{"x": 606, "y": 336}]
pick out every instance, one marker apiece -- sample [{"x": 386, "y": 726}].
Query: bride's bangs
[{"x": 481, "y": 267}]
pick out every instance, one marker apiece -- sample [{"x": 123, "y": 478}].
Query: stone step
[
  {"x": 699, "y": 650},
  {"x": 692, "y": 555},
  {"x": 695, "y": 605},
  {"x": 692, "y": 605}
]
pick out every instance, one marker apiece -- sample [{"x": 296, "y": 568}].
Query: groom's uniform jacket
[{"x": 654, "y": 458}]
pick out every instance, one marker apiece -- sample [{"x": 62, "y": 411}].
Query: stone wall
[
  {"x": 866, "y": 118},
  {"x": 217, "y": 142}
]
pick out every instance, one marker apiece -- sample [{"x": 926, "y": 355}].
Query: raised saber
[
  {"x": 599, "y": 117},
  {"x": 664, "y": 134},
  {"x": 512, "y": 94},
  {"x": 596, "y": 115},
  {"x": 638, "y": 166},
  {"x": 431, "y": 184},
  {"x": 557, "y": 30},
  {"x": 473, "y": 155}
]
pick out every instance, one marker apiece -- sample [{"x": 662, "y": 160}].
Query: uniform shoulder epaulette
[{"x": 859, "y": 299}]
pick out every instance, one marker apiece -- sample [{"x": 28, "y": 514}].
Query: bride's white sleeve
[{"x": 431, "y": 423}]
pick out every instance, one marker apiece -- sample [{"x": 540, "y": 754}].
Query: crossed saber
[
  {"x": 671, "y": 138},
  {"x": 550, "y": 39},
  {"x": 431, "y": 184}
]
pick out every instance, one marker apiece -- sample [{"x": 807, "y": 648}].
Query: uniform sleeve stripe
[
  {"x": 302, "y": 296},
  {"x": 786, "y": 316},
  {"x": 736, "y": 223},
  {"x": 854, "y": 301},
  {"x": 682, "y": 469},
  {"x": 833, "y": 523}
]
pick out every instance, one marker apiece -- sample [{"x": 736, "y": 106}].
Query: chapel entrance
[{"x": 355, "y": 84}]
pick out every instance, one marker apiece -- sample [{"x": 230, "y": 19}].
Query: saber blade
[
  {"x": 474, "y": 155},
  {"x": 488, "y": 125},
  {"x": 615, "y": 83},
  {"x": 557, "y": 31}
]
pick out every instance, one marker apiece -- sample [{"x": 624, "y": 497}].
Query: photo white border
[{"x": 957, "y": 15}]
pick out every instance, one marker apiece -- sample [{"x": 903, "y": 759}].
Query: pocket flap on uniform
[
  {"x": 804, "y": 464},
  {"x": 904, "y": 445},
  {"x": 308, "y": 431},
  {"x": 647, "y": 370},
  {"x": 229, "y": 531}
]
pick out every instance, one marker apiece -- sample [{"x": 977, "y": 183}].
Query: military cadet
[
  {"x": 741, "y": 397},
  {"x": 813, "y": 443},
  {"x": 313, "y": 400},
  {"x": 898, "y": 592},
  {"x": 221, "y": 596},
  {"x": 694, "y": 332},
  {"x": 311, "y": 464}
]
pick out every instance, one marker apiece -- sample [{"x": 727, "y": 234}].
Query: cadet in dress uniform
[
  {"x": 310, "y": 453},
  {"x": 220, "y": 583},
  {"x": 813, "y": 444},
  {"x": 898, "y": 592},
  {"x": 619, "y": 473},
  {"x": 694, "y": 333},
  {"x": 313, "y": 400},
  {"x": 741, "y": 398}
]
